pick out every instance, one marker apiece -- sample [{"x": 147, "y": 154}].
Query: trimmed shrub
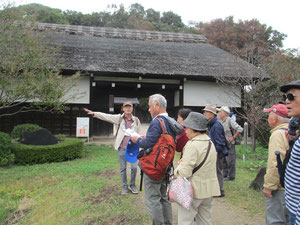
[
  {"x": 20, "y": 129},
  {"x": 6, "y": 156},
  {"x": 60, "y": 137},
  {"x": 68, "y": 149}
]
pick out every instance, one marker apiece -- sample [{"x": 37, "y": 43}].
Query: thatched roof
[{"x": 112, "y": 50}]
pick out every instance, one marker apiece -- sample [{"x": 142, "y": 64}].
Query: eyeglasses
[{"x": 289, "y": 96}]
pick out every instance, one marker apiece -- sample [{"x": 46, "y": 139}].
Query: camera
[
  {"x": 294, "y": 125},
  {"x": 144, "y": 152}
]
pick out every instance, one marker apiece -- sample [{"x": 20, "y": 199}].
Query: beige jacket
[
  {"x": 204, "y": 181},
  {"x": 118, "y": 119},
  {"x": 230, "y": 123},
  {"x": 278, "y": 142}
]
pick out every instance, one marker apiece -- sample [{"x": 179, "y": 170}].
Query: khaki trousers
[{"x": 201, "y": 210}]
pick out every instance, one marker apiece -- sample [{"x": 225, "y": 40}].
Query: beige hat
[
  {"x": 211, "y": 108},
  {"x": 224, "y": 109}
]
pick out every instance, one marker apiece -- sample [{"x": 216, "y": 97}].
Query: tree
[
  {"x": 43, "y": 13},
  {"x": 153, "y": 16},
  {"x": 137, "y": 10},
  {"x": 173, "y": 20},
  {"x": 284, "y": 66},
  {"x": 119, "y": 18},
  {"x": 250, "y": 40},
  {"x": 73, "y": 17},
  {"x": 29, "y": 75},
  {"x": 251, "y": 88}
]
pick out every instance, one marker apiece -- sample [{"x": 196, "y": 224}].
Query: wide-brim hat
[
  {"x": 211, "y": 108},
  {"x": 196, "y": 121},
  {"x": 131, "y": 152},
  {"x": 293, "y": 84}
]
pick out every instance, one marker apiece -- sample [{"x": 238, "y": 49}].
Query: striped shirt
[{"x": 292, "y": 180}]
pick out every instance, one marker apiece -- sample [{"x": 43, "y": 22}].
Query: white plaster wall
[
  {"x": 200, "y": 93},
  {"x": 83, "y": 89}
]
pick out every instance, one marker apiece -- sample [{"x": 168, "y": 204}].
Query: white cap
[{"x": 224, "y": 109}]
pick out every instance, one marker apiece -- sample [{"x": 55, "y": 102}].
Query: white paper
[{"x": 129, "y": 132}]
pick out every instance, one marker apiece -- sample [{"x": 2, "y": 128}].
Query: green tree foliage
[
  {"x": 28, "y": 68},
  {"x": 73, "y": 17},
  {"x": 43, "y": 13},
  {"x": 153, "y": 16},
  {"x": 172, "y": 20},
  {"x": 248, "y": 39},
  {"x": 136, "y": 17}
]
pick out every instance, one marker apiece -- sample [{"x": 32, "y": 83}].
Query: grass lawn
[
  {"x": 83, "y": 191},
  {"x": 87, "y": 191},
  {"x": 238, "y": 192}
]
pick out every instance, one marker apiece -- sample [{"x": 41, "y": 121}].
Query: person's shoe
[
  {"x": 133, "y": 189},
  {"x": 221, "y": 195},
  {"x": 124, "y": 191},
  {"x": 228, "y": 179}
]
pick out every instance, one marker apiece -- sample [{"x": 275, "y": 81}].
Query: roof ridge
[{"x": 124, "y": 33}]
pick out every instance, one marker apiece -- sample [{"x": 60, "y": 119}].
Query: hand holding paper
[{"x": 129, "y": 132}]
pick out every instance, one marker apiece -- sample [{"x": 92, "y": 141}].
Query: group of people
[
  {"x": 216, "y": 150},
  {"x": 192, "y": 143},
  {"x": 283, "y": 202}
]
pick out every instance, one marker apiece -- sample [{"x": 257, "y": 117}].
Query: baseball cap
[
  {"x": 224, "y": 108},
  {"x": 131, "y": 152},
  {"x": 278, "y": 109}
]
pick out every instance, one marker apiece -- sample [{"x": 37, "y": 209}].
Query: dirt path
[{"x": 223, "y": 212}]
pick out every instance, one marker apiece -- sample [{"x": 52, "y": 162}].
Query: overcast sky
[{"x": 283, "y": 16}]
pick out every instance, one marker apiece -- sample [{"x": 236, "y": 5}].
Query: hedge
[
  {"x": 6, "y": 157},
  {"x": 20, "y": 129},
  {"x": 68, "y": 149}
]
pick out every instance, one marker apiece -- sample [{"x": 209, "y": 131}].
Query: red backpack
[{"x": 156, "y": 162}]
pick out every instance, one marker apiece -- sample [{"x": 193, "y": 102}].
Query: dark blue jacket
[
  {"x": 217, "y": 135},
  {"x": 153, "y": 133}
]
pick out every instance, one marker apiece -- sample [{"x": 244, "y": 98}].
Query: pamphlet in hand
[{"x": 129, "y": 132}]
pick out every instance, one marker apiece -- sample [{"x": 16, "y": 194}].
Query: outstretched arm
[{"x": 89, "y": 112}]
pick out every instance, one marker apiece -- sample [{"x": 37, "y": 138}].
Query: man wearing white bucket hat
[{"x": 232, "y": 130}]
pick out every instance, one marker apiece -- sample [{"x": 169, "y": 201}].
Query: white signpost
[{"x": 83, "y": 127}]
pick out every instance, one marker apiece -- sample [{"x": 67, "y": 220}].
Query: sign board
[{"x": 82, "y": 127}]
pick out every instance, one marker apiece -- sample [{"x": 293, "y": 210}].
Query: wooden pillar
[
  {"x": 92, "y": 97},
  {"x": 111, "y": 103},
  {"x": 181, "y": 103}
]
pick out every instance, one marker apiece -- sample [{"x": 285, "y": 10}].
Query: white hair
[
  {"x": 158, "y": 98},
  {"x": 281, "y": 119}
]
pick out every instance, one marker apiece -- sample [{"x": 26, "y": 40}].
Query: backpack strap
[
  {"x": 163, "y": 126},
  {"x": 201, "y": 164}
]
